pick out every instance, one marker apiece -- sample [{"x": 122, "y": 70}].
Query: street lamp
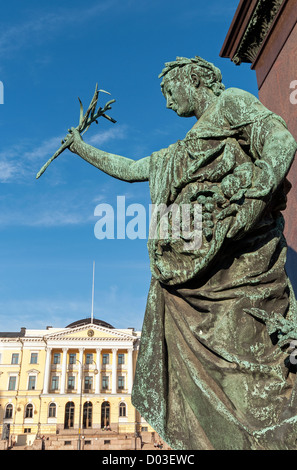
[{"x": 80, "y": 399}]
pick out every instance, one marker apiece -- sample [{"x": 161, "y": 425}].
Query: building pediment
[
  {"x": 90, "y": 332},
  {"x": 33, "y": 371}
]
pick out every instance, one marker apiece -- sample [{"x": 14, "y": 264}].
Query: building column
[
  {"x": 114, "y": 371},
  {"x": 64, "y": 366},
  {"x": 47, "y": 370},
  {"x": 98, "y": 367},
  {"x": 80, "y": 371},
  {"x": 130, "y": 370}
]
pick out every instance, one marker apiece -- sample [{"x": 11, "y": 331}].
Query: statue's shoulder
[
  {"x": 239, "y": 105},
  {"x": 236, "y": 95}
]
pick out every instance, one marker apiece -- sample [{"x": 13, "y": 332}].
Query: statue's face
[{"x": 178, "y": 92}]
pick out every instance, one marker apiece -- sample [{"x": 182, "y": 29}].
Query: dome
[{"x": 86, "y": 321}]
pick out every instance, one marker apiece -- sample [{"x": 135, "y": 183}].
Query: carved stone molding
[{"x": 257, "y": 29}]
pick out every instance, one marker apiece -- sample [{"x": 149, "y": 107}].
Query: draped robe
[{"x": 213, "y": 370}]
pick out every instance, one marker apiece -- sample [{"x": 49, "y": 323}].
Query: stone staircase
[{"x": 96, "y": 440}]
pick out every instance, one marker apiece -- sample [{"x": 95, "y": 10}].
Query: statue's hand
[
  {"x": 243, "y": 216},
  {"x": 231, "y": 211},
  {"x": 75, "y": 137}
]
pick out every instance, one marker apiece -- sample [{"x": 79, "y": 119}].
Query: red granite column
[
  {"x": 273, "y": 57},
  {"x": 276, "y": 70}
]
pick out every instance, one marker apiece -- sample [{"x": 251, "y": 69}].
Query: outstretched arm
[{"x": 119, "y": 167}]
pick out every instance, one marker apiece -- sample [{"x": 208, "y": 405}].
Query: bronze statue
[{"x": 214, "y": 368}]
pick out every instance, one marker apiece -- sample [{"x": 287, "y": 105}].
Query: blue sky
[{"x": 51, "y": 53}]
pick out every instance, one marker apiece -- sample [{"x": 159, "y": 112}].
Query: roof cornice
[{"x": 250, "y": 27}]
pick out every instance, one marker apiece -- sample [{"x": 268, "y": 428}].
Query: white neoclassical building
[{"x": 73, "y": 381}]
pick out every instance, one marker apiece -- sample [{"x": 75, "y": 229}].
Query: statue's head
[{"x": 183, "y": 78}]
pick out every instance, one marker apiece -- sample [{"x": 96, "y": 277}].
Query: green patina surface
[{"x": 213, "y": 369}]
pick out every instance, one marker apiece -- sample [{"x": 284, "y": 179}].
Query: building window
[
  {"x": 55, "y": 382},
  {"x": 88, "y": 383},
  {"x": 52, "y": 410},
  {"x": 105, "y": 414},
  {"x": 8, "y": 411},
  {"x": 71, "y": 382},
  {"x": 121, "y": 359},
  {"x": 89, "y": 358},
  {"x": 57, "y": 358},
  {"x": 72, "y": 358},
  {"x": 34, "y": 358},
  {"x": 122, "y": 411},
  {"x": 69, "y": 415},
  {"x": 121, "y": 382},
  {"x": 29, "y": 411},
  {"x": 15, "y": 358},
  {"x": 12, "y": 383},
  {"x": 27, "y": 430},
  {"x": 87, "y": 415},
  {"x": 105, "y": 359},
  {"x": 105, "y": 382},
  {"x": 31, "y": 382}
]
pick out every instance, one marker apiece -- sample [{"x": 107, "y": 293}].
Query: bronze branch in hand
[{"x": 85, "y": 120}]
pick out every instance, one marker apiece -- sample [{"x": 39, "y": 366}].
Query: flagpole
[{"x": 92, "y": 314}]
